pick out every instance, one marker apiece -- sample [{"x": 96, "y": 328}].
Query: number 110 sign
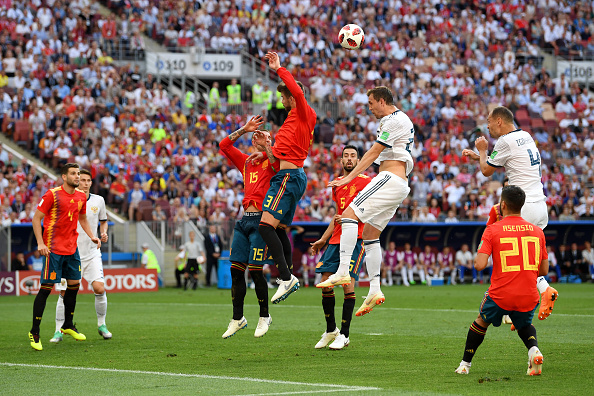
[{"x": 204, "y": 66}]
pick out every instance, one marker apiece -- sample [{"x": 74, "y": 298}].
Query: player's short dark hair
[
  {"x": 514, "y": 197},
  {"x": 382, "y": 93},
  {"x": 350, "y": 146},
  {"x": 65, "y": 168},
  {"x": 284, "y": 90},
  {"x": 506, "y": 180},
  {"x": 504, "y": 113},
  {"x": 86, "y": 172}
]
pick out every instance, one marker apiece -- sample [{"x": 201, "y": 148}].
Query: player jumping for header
[{"x": 378, "y": 202}]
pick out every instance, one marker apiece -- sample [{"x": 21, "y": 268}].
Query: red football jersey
[
  {"x": 61, "y": 212},
  {"x": 295, "y": 137},
  {"x": 518, "y": 248},
  {"x": 495, "y": 214},
  {"x": 256, "y": 178},
  {"x": 343, "y": 196}
]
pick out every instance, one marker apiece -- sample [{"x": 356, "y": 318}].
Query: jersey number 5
[{"x": 515, "y": 251}]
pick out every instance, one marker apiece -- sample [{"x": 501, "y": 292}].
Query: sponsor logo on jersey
[
  {"x": 80, "y": 204},
  {"x": 385, "y": 135},
  {"x": 94, "y": 209}
]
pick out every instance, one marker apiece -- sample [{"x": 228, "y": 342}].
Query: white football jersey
[
  {"x": 95, "y": 213},
  {"x": 397, "y": 133},
  {"x": 518, "y": 154}
]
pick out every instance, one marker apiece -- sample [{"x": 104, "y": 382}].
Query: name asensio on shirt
[{"x": 516, "y": 228}]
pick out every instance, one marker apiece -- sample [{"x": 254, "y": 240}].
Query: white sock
[
  {"x": 348, "y": 240},
  {"x": 410, "y": 275},
  {"x": 422, "y": 275},
  {"x": 60, "y": 313},
  {"x": 101, "y": 308},
  {"x": 318, "y": 278},
  {"x": 390, "y": 280},
  {"x": 541, "y": 284},
  {"x": 373, "y": 261},
  {"x": 404, "y": 277}
]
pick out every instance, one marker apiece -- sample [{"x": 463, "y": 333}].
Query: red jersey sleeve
[
  {"x": 492, "y": 215},
  {"x": 544, "y": 255},
  {"x": 296, "y": 91},
  {"x": 485, "y": 246},
  {"x": 83, "y": 208},
  {"x": 46, "y": 203},
  {"x": 233, "y": 153}
]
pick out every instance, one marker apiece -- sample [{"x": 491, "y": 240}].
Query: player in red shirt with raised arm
[
  {"x": 519, "y": 257},
  {"x": 248, "y": 249},
  {"x": 292, "y": 144},
  {"x": 63, "y": 208},
  {"x": 328, "y": 265}
]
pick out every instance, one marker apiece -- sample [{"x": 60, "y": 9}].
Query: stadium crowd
[{"x": 64, "y": 99}]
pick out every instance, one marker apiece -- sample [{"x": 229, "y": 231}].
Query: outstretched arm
[
  {"x": 274, "y": 63},
  {"x": 365, "y": 162}
]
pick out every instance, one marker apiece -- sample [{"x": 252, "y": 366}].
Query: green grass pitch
[{"x": 170, "y": 343}]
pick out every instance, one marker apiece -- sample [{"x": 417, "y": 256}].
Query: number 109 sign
[{"x": 205, "y": 66}]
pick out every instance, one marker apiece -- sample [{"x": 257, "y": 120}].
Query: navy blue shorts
[
  {"x": 490, "y": 312},
  {"x": 59, "y": 266},
  {"x": 248, "y": 247},
  {"x": 286, "y": 189},
  {"x": 331, "y": 260}
]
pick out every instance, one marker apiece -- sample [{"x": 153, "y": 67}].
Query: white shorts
[
  {"x": 536, "y": 213},
  {"x": 376, "y": 204},
  {"x": 91, "y": 270}
]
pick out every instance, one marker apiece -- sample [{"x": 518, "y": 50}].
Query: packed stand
[{"x": 156, "y": 159}]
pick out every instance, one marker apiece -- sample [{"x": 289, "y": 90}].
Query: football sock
[
  {"x": 347, "y": 313},
  {"x": 528, "y": 335},
  {"x": 60, "y": 312},
  {"x": 284, "y": 238},
  {"x": 261, "y": 288},
  {"x": 39, "y": 306},
  {"x": 186, "y": 280},
  {"x": 328, "y": 302},
  {"x": 410, "y": 275},
  {"x": 268, "y": 276},
  {"x": 475, "y": 337},
  {"x": 390, "y": 279},
  {"x": 373, "y": 257},
  {"x": 275, "y": 247},
  {"x": 101, "y": 308},
  {"x": 194, "y": 283},
  {"x": 541, "y": 284},
  {"x": 422, "y": 274},
  {"x": 238, "y": 289},
  {"x": 404, "y": 276},
  {"x": 348, "y": 240},
  {"x": 70, "y": 305}
]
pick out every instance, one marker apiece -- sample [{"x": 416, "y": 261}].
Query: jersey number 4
[
  {"x": 534, "y": 161},
  {"x": 515, "y": 251}
]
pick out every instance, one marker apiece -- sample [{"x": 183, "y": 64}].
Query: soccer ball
[{"x": 351, "y": 36}]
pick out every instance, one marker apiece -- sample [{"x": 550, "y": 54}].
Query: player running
[
  {"x": 519, "y": 257},
  {"x": 65, "y": 207},
  {"x": 248, "y": 249},
  {"x": 291, "y": 147},
  {"x": 330, "y": 260},
  {"x": 378, "y": 202},
  {"x": 90, "y": 257},
  {"x": 516, "y": 151}
]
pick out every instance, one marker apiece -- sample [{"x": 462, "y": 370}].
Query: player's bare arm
[
  {"x": 363, "y": 164},
  {"x": 320, "y": 243},
  {"x": 37, "y": 217},
  {"x": 251, "y": 126},
  {"x": 482, "y": 145},
  {"x": 84, "y": 223},
  {"x": 543, "y": 270},
  {"x": 103, "y": 231},
  {"x": 481, "y": 261}
]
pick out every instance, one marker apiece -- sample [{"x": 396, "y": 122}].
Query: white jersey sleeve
[
  {"x": 396, "y": 133},
  {"x": 518, "y": 154}
]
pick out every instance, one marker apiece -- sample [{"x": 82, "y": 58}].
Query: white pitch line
[
  {"x": 219, "y": 377},
  {"x": 353, "y": 389}
]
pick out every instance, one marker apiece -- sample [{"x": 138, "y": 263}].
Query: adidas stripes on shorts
[{"x": 376, "y": 204}]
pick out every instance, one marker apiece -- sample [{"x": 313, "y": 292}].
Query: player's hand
[
  {"x": 481, "y": 144},
  {"x": 253, "y": 124},
  {"x": 43, "y": 250},
  {"x": 255, "y": 157},
  {"x": 104, "y": 237},
  {"x": 259, "y": 139},
  {"x": 338, "y": 183},
  {"x": 471, "y": 154},
  {"x": 97, "y": 241},
  {"x": 316, "y": 246},
  {"x": 338, "y": 219},
  {"x": 273, "y": 60}
]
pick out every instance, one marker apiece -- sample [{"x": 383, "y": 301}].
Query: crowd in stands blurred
[{"x": 153, "y": 157}]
